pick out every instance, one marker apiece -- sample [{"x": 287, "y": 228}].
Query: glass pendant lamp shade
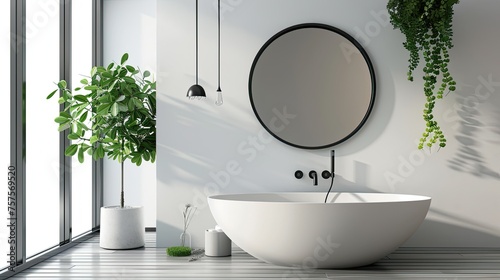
[{"x": 219, "y": 101}]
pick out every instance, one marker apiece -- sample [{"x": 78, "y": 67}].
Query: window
[
  {"x": 4, "y": 115},
  {"x": 43, "y": 182},
  {"x": 42, "y": 138},
  {"x": 81, "y": 61}
]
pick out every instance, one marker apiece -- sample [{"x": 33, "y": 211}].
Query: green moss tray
[{"x": 179, "y": 251}]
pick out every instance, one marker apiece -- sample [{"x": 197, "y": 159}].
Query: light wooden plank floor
[{"x": 88, "y": 261}]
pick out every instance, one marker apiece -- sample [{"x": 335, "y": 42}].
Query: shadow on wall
[
  {"x": 437, "y": 234},
  {"x": 359, "y": 185},
  {"x": 496, "y": 128},
  {"x": 209, "y": 150},
  {"x": 433, "y": 233},
  {"x": 474, "y": 64},
  {"x": 472, "y": 114},
  {"x": 192, "y": 159}
]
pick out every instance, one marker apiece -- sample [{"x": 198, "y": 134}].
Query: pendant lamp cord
[
  {"x": 218, "y": 34},
  {"x": 196, "y": 41}
]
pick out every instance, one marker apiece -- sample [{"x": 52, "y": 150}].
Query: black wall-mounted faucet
[
  {"x": 325, "y": 173},
  {"x": 313, "y": 175}
]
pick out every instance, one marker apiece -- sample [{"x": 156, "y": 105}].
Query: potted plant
[
  {"x": 427, "y": 26},
  {"x": 113, "y": 114}
]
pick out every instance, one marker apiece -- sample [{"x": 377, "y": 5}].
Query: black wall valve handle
[{"x": 326, "y": 174}]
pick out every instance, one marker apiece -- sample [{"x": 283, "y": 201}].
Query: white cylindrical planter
[
  {"x": 217, "y": 244},
  {"x": 122, "y": 228}
]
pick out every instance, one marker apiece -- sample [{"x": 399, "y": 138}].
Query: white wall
[
  {"x": 196, "y": 140},
  {"x": 130, "y": 26}
]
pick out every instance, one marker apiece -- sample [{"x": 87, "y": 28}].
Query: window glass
[
  {"x": 42, "y": 138},
  {"x": 4, "y": 115},
  {"x": 81, "y": 64}
]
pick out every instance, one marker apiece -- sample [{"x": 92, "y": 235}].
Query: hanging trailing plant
[{"x": 427, "y": 25}]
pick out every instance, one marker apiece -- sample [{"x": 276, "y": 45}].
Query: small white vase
[
  {"x": 185, "y": 239},
  {"x": 122, "y": 228}
]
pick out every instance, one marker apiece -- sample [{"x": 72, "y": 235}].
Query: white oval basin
[{"x": 298, "y": 229}]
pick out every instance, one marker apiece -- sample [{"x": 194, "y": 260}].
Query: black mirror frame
[{"x": 329, "y": 28}]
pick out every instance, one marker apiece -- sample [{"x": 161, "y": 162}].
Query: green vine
[{"x": 427, "y": 25}]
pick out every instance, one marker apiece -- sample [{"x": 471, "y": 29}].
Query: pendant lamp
[
  {"x": 219, "y": 100},
  {"x": 196, "y": 91}
]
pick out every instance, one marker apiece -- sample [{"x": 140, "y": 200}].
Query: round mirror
[{"x": 312, "y": 86}]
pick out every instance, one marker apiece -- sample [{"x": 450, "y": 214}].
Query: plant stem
[{"x": 122, "y": 198}]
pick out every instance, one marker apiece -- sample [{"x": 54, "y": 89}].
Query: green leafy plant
[
  {"x": 112, "y": 113},
  {"x": 427, "y": 25}
]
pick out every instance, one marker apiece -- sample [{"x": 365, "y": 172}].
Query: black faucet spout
[{"x": 313, "y": 175}]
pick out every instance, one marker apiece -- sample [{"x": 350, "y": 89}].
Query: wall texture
[
  {"x": 130, "y": 26},
  {"x": 199, "y": 143}
]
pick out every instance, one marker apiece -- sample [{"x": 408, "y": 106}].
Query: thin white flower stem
[{"x": 190, "y": 217}]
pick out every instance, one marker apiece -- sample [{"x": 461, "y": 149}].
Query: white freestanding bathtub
[{"x": 299, "y": 229}]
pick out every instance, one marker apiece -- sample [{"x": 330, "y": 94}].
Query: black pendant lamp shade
[{"x": 196, "y": 91}]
